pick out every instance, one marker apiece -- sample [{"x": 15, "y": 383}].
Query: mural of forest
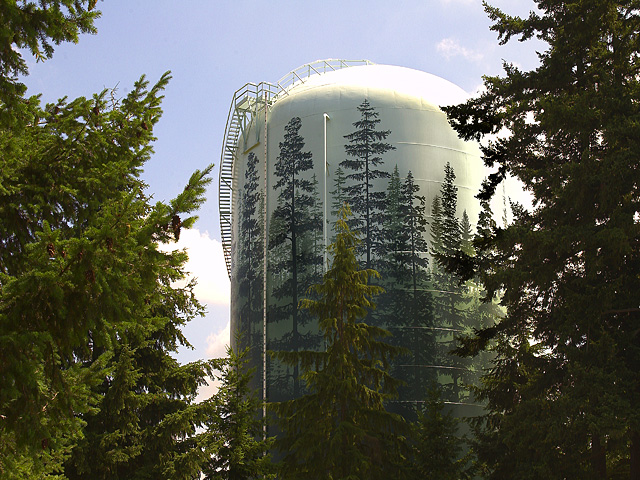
[{"x": 423, "y": 306}]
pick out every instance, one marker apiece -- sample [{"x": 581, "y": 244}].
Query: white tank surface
[
  {"x": 331, "y": 131},
  {"x": 407, "y": 102}
]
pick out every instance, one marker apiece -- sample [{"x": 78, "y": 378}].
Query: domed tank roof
[{"x": 430, "y": 88}]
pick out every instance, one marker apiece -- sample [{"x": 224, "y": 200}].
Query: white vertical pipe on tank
[
  {"x": 324, "y": 218},
  {"x": 264, "y": 277}
]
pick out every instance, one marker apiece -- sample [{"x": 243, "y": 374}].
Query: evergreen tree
[
  {"x": 250, "y": 269},
  {"x": 315, "y": 238},
  {"x": 466, "y": 235},
  {"x": 438, "y": 446},
  {"x": 235, "y": 426},
  {"x": 85, "y": 291},
  {"x": 564, "y": 392},
  {"x": 450, "y": 226},
  {"x": 144, "y": 424},
  {"x": 35, "y": 27},
  {"x": 338, "y": 194},
  {"x": 341, "y": 429},
  {"x": 81, "y": 251},
  {"x": 419, "y": 335},
  {"x": 291, "y": 223},
  {"x": 435, "y": 229},
  {"x": 365, "y": 149},
  {"x": 416, "y": 224},
  {"x": 394, "y": 261},
  {"x": 406, "y": 304},
  {"x": 448, "y": 299}
]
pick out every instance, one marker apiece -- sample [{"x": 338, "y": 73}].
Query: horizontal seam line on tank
[
  {"x": 425, "y": 401},
  {"x": 424, "y": 365},
  {"x": 424, "y": 180},
  {"x": 434, "y": 146},
  {"x": 452, "y": 329}
]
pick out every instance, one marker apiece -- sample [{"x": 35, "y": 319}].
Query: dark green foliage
[
  {"x": 449, "y": 224},
  {"x": 250, "y": 269},
  {"x": 338, "y": 194},
  {"x": 82, "y": 275},
  {"x": 144, "y": 425},
  {"x": 341, "y": 429},
  {"x": 563, "y": 395},
  {"x": 35, "y": 27},
  {"x": 393, "y": 264},
  {"x": 294, "y": 258},
  {"x": 235, "y": 426},
  {"x": 466, "y": 235},
  {"x": 405, "y": 307},
  {"x": 88, "y": 316},
  {"x": 365, "y": 149},
  {"x": 439, "y": 449},
  {"x": 448, "y": 298}
]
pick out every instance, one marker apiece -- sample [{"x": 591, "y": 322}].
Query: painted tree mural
[
  {"x": 364, "y": 150},
  {"x": 250, "y": 268},
  {"x": 457, "y": 306},
  {"x": 293, "y": 258},
  {"x": 406, "y": 305},
  {"x": 448, "y": 293}
]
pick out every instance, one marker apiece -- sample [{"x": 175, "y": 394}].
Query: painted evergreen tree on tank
[
  {"x": 414, "y": 213},
  {"x": 393, "y": 264},
  {"x": 456, "y": 304},
  {"x": 419, "y": 335},
  {"x": 250, "y": 269},
  {"x": 338, "y": 194},
  {"x": 341, "y": 428},
  {"x": 446, "y": 239},
  {"x": 364, "y": 150},
  {"x": 293, "y": 262},
  {"x": 406, "y": 305},
  {"x": 314, "y": 242}
]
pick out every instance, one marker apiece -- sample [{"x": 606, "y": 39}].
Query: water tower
[{"x": 373, "y": 135}]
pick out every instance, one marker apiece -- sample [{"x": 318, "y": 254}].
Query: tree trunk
[
  {"x": 598, "y": 458},
  {"x": 634, "y": 474}
]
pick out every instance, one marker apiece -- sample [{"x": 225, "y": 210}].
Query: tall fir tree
[
  {"x": 438, "y": 447},
  {"x": 365, "y": 149},
  {"x": 466, "y": 235},
  {"x": 393, "y": 263},
  {"x": 235, "y": 425},
  {"x": 36, "y": 28},
  {"x": 81, "y": 250},
  {"x": 338, "y": 194},
  {"x": 341, "y": 429},
  {"x": 406, "y": 304},
  {"x": 420, "y": 334},
  {"x": 448, "y": 296},
  {"x": 315, "y": 238},
  {"x": 250, "y": 270},
  {"x": 291, "y": 224},
  {"x": 85, "y": 287},
  {"x": 450, "y": 225},
  {"x": 435, "y": 227},
  {"x": 563, "y": 395}
]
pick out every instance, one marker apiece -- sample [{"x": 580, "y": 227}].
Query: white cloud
[
  {"x": 206, "y": 264},
  {"x": 206, "y": 391},
  {"x": 450, "y": 47},
  {"x": 217, "y": 342},
  {"x": 216, "y": 348}
]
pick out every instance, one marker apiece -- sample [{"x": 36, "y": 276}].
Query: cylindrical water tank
[{"x": 374, "y": 136}]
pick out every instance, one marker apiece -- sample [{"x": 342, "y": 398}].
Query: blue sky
[{"x": 214, "y": 47}]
